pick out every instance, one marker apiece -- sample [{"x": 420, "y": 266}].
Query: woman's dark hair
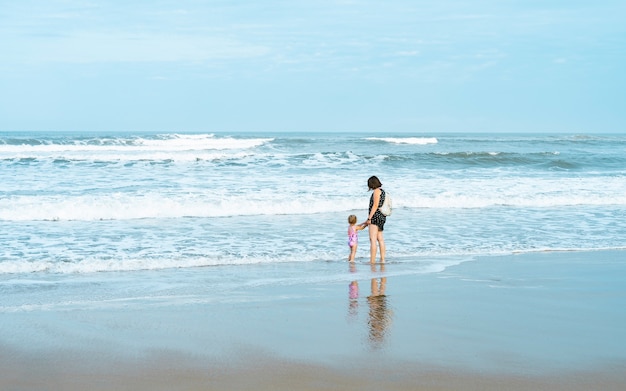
[{"x": 373, "y": 183}]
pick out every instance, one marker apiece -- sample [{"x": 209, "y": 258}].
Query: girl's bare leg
[{"x": 352, "y": 253}]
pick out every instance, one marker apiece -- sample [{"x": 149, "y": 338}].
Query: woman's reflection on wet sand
[
  {"x": 379, "y": 318},
  {"x": 379, "y": 314}
]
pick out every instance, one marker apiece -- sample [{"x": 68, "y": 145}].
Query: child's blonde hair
[{"x": 352, "y": 219}]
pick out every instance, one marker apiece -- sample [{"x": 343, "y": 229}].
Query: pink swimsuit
[{"x": 353, "y": 237}]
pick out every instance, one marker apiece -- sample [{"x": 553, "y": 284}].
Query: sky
[{"x": 313, "y": 65}]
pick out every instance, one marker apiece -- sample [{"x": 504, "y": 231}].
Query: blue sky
[{"x": 313, "y": 65}]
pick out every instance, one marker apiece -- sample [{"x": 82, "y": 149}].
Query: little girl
[{"x": 353, "y": 237}]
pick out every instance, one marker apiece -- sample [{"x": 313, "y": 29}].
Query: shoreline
[{"x": 530, "y": 321}]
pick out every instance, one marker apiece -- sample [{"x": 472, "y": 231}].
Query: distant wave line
[
  {"x": 406, "y": 140},
  {"x": 174, "y": 144}
]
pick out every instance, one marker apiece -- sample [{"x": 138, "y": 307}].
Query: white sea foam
[
  {"x": 306, "y": 200},
  {"x": 119, "y": 206},
  {"x": 95, "y": 264}
]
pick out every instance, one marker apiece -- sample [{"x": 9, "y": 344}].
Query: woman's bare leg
[
  {"x": 373, "y": 230},
  {"x": 381, "y": 244}
]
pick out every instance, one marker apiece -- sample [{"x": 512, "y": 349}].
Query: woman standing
[{"x": 375, "y": 219}]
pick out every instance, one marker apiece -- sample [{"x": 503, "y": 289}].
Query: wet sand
[
  {"x": 170, "y": 371},
  {"x": 545, "y": 321}
]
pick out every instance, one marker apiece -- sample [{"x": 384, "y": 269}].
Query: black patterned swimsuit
[{"x": 378, "y": 219}]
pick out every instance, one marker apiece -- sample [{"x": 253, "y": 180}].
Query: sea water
[{"x": 95, "y": 219}]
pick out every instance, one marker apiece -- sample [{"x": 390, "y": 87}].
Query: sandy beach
[{"x": 544, "y": 321}]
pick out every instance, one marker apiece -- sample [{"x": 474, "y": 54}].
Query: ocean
[{"x": 110, "y": 219}]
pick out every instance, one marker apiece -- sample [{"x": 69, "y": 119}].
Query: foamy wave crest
[
  {"x": 178, "y": 142},
  {"x": 406, "y": 140},
  {"x": 528, "y": 201},
  {"x": 162, "y": 147}
]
